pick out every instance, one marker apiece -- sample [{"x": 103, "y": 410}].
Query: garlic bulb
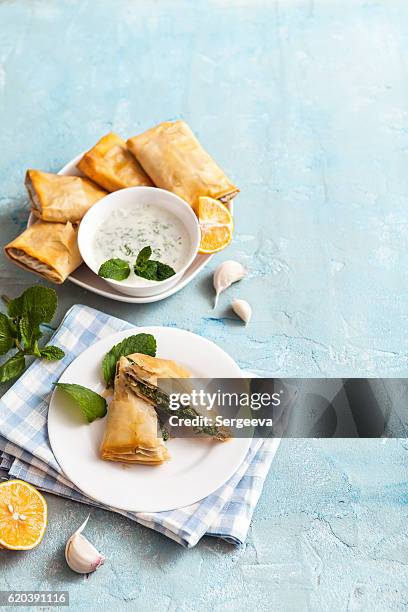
[
  {"x": 82, "y": 557},
  {"x": 242, "y": 309},
  {"x": 228, "y": 272}
]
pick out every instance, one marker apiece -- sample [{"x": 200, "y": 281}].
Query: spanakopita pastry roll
[
  {"x": 132, "y": 430},
  {"x": 47, "y": 249},
  {"x": 176, "y": 161},
  {"x": 110, "y": 164},
  {"x": 60, "y": 198}
]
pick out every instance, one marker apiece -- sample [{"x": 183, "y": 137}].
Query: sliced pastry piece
[
  {"x": 175, "y": 160},
  {"x": 132, "y": 430},
  {"x": 47, "y": 249},
  {"x": 146, "y": 375},
  {"x": 60, "y": 198},
  {"x": 110, "y": 164}
]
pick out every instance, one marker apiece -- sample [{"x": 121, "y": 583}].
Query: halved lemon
[
  {"x": 216, "y": 225},
  {"x": 23, "y": 515}
]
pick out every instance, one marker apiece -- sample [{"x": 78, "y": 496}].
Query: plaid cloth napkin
[{"x": 25, "y": 451}]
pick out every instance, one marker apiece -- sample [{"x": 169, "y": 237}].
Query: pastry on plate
[
  {"x": 132, "y": 433},
  {"x": 47, "y": 249},
  {"x": 60, "y": 198},
  {"x": 110, "y": 164},
  {"x": 175, "y": 160}
]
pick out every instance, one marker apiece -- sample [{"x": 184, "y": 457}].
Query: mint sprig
[
  {"x": 92, "y": 405},
  {"x": 20, "y": 329},
  {"x": 150, "y": 268},
  {"x": 118, "y": 269}
]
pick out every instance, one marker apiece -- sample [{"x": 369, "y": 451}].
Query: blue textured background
[{"x": 304, "y": 103}]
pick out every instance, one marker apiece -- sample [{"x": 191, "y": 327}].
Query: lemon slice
[
  {"x": 216, "y": 225},
  {"x": 23, "y": 515}
]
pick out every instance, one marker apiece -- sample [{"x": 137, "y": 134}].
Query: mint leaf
[
  {"x": 38, "y": 303},
  {"x": 117, "y": 269},
  {"x": 15, "y": 307},
  {"x": 164, "y": 271},
  {"x": 143, "y": 257},
  {"x": 92, "y": 404},
  {"x": 151, "y": 269},
  {"x": 52, "y": 353},
  {"x": 139, "y": 343},
  {"x": 7, "y": 334},
  {"x": 12, "y": 367},
  {"x": 29, "y": 332}
]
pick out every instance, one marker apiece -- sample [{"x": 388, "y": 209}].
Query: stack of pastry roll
[
  {"x": 132, "y": 432},
  {"x": 49, "y": 246},
  {"x": 167, "y": 156}
]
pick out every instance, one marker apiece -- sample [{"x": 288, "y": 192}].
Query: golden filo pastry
[
  {"x": 47, "y": 249},
  {"x": 110, "y": 164},
  {"x": 175, "y": 160},
  {"x": 58, "y": 198},
  {"x": 150, "y": 369},
  {"x": 131, "y": 434}
]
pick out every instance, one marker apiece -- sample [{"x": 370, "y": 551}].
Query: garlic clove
[
  {"x": 82, "y": 556},
  {"x": 242, "y": 309},
  {"x": 228, "y": 272}
]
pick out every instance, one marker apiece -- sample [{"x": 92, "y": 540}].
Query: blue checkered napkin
[{"x": 26, "y": 452}]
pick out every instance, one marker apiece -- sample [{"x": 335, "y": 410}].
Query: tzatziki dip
[{"x": 127, "y": 231}]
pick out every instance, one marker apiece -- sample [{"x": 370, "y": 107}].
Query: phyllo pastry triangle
[
  {"x": 175, "y": 160},
  {"x": 60, "y": 198},
  {"x": 47, "y": 249},
  {"x": 110, "y": 164}
]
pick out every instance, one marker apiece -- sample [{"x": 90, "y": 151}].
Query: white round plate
[
  {"x": 196, "y": 469},
  {"x": 84, "y": 277}
]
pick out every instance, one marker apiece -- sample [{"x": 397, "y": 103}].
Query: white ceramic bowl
[{"x": 127, "y": 199}]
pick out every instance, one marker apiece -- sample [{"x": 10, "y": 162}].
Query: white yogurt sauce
[{"x": 127, "y": 231}]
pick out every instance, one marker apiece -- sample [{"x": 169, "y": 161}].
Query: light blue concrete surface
[{"x": 305, "y": 104}]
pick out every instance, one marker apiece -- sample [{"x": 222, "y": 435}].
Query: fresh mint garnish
[
  {"x": 38, "y": 303},
  {"x": 20, "y": 329},
  {"x": 139, "y": 343},
  {"x": 116, "y": 269},
  {"x": 151, "y": 269},
  {"x": 92, "y": 404},
  {"x": 12, "y": 367}
]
